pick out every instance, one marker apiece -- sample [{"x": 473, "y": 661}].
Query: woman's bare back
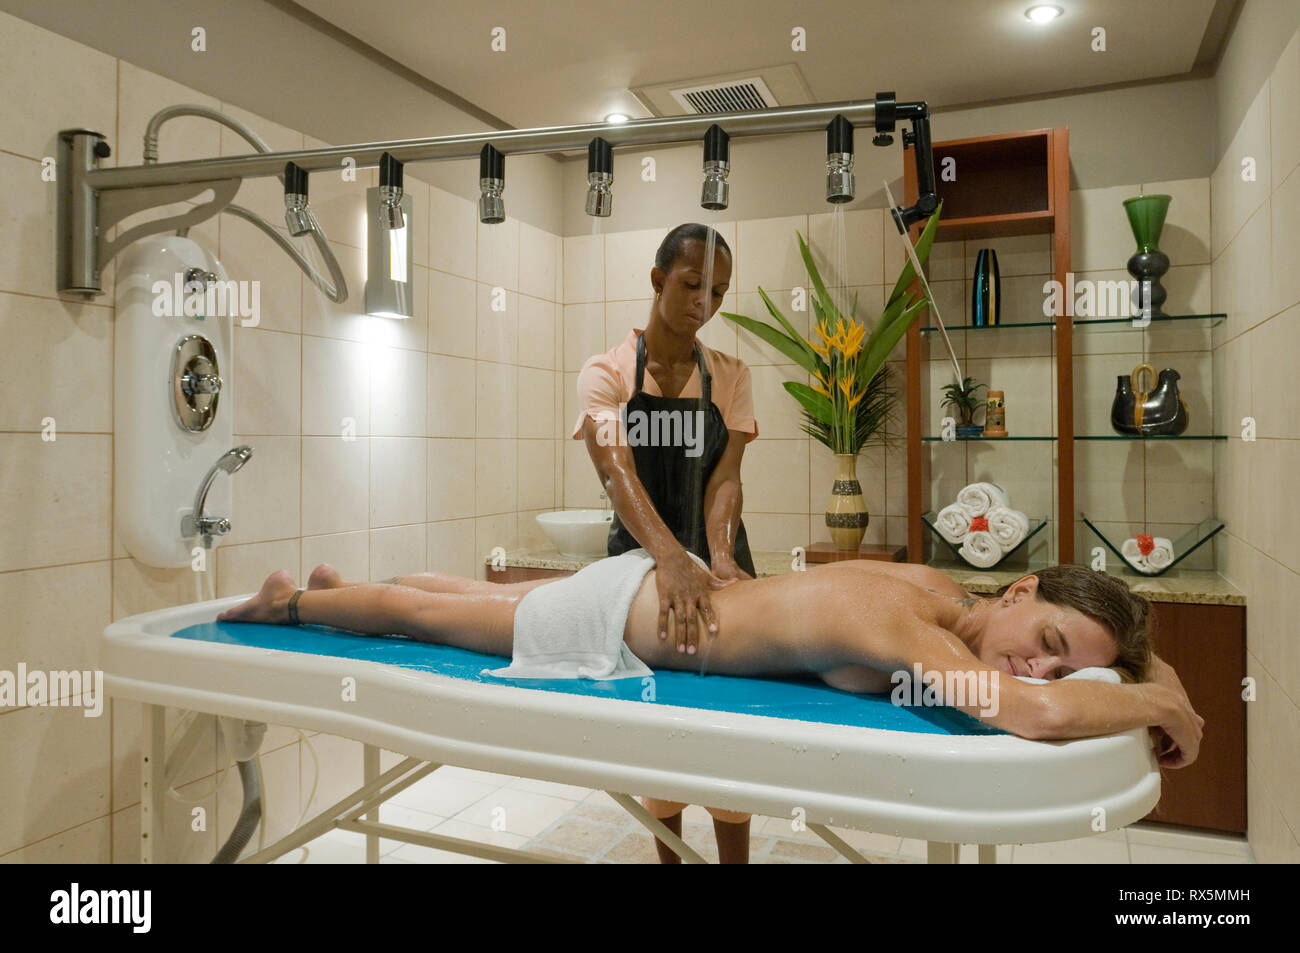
[{"x": 797, "y": 623}]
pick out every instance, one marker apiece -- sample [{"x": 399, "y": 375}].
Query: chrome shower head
[
  {"x": 390, "y": 193},
  {"x": 600, "y": 178},
  {"x": 715, "y": 194},
  {"x": 233, "y": 460},
  {"x": 839, "y": 160},
  {"x": 491, "y": 183},
  {"x": 298, "y": 217}
]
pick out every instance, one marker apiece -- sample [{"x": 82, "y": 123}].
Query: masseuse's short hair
[
  {"x": 674, "y": 244},
  {"x": 1108, "y": 600}
]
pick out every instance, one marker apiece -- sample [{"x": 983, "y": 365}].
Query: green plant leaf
[
  {"x": 813, "y": 402},
  {"x": 798, "y": 353},
  {"x": 789, "y": 328},
  {"x": 813, "y": 273}
]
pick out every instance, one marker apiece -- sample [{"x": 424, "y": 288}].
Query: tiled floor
[{"x": 587, "y": 826}]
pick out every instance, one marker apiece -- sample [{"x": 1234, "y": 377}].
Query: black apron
[{"x": 674, "y": 480}]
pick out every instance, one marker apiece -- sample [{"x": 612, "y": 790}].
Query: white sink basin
[{"x": 578, "y": 532}]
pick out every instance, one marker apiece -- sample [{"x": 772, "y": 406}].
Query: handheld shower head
[{"x": 233, "y": 460}]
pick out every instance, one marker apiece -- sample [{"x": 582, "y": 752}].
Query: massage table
[{"x": 798, "y": 750}]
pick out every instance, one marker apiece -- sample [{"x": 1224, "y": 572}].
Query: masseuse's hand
[
  {"x": 726, "y": 569},
  {"x": 684, "y": 587},
  {"x": 1178, "y": 733}
]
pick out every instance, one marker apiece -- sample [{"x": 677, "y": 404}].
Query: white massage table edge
[{"x": 948, "y": 788}]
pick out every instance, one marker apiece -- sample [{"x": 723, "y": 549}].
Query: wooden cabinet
[{"x": 1206, "y": 645}]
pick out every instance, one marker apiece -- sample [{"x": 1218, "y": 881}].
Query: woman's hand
[
  {"x": 1178, "y": 731},
  {"x": 684, "y": 586}
]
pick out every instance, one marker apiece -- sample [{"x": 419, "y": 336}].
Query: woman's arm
[
  {"x": 1059, "y": 710},
  {"x": 723, "y": 501}
]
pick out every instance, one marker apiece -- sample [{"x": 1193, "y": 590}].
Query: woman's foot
[
  {"x": 271, "y": 604},
  {"x": 325, "y": 576}
]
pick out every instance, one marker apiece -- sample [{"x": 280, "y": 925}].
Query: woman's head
[
  {"x": 1064, "y": 618},
  {"x": 678, "y": 277}
]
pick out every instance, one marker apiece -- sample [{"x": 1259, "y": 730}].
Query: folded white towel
[
  {"x": 1009, "y": 527},
  {"x": 1130, "y": 551},
  {"x": 980, "y": 549},
  {"x": 952, "y": 523},
  {"x": 1094, "y": 674},
  {"x": 573, "y": 627},
  {"x": 1161, "y": 555},
  {"x": 977, "y": 498}
]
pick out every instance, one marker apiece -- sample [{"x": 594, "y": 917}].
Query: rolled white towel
[
  {"x": 952, "y": 523},
  {"x": 980, "y": 549},
  {"x": 1161, "y": 555},
  {"x": 977, "y": 498},
  {"x": 1130, "y": 551},
  {"x": 1009, "y": 527}
]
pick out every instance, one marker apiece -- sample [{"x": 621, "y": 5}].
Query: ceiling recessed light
[
  {"x": 616, "y": 117},
  {"x": 1044, "y": 12}
]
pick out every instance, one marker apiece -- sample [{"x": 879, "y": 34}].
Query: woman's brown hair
[{"x": 1108, "y": 600}]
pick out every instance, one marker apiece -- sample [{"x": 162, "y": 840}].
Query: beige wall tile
[
  {"x": 243, "y": 569},
  {"x": 1284, "y": 111},
  {"x": 535, "y": 410},
  {"x": 498, "y": 254},
  {"x": 140, "y": 95},
  {"x": 581, "y": 485},
  {"x": 498, "y": 324},
  {"x": 60, "y": 632},
  {"x": 347, "y": 320},
  {"x": 537, "y": 332},
  {"x": 584, "y": 269},
  {"x": 89, "y": 843},
  {"x": 452, "y": 548},
  {"x": 335, "y": 484},
  {"x": 629, "y": 259},
  {"x": 349, "y": 553},
  {"x": 398, "y": 480},
  {"x": 1236, "y": 200},
  {"x": 584, "y": 334},
  {"x": 27, "y": 217},
  {"x": 250, "y": 256},
  {"x": 775, "y": 474},
  {"x": 45, "y": 95},
  {"x": 336, "y": 392},
  {"x": 453, "y": 234},
  {"x": 453, "y": 320},
  {"x": 399, "y": 403},
  {"x": 1285, "y": 223},
  {"x": 55, "y": 497},
  {"x": 495, "y": 476},
  {"x": 140, "y": 588},
  {"x": 44, "y": 370},
  {"x": 268, "y": 397},
  {"x": 497, "y": 401},
  {"x": 451, "y": 479},
  {"x": 1100, "y": 237},
  {"x": 538, "y": 251},
  {"x": 266, "y": 492},
  {"x": 63, "y": 755},
  {"x": 452, "y": 396},
  {"x": 767, "y": 254},
  {"x": 861, "y": 233},
  {"x": 536, "y": 477},
  {"x": 397, "y": 550}
]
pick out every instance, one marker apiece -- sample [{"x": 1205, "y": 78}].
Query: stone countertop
[{"x": 1178, "y": 585}]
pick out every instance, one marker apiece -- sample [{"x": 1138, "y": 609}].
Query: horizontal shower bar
[{"x": 508, "y": 141}]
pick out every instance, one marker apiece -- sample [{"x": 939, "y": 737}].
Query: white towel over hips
[{"x": 573, "y": 627}]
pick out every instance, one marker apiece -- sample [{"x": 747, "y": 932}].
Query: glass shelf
[
  {"x": 1087, "y": 325},
  {"x": 1183, "y": 546},
  {"x": 974, "y": 439},
  {"x": 1124, "y": 436},
  {"x": 1017, "y": 326},
  {"x": 1112, "y": 325},
  {"x": 930, "y": 520}
]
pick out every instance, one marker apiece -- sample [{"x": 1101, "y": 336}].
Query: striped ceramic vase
[
  {"x": 846, "y": 516},
  {"x": 986, "y": 290}
]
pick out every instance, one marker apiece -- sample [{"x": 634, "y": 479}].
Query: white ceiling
[{"x": 574, "y": 62}]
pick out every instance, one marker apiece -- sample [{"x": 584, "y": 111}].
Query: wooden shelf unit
[{"x": 1005, "y": 185}]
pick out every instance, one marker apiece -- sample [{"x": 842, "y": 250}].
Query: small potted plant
[{"x": 962, "y": 396}]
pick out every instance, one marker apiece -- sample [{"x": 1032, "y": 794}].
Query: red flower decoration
[
  {"x": 1145, "y": 544},
  {"x": 979, "y": 524}
]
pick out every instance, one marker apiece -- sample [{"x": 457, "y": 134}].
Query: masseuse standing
[{"x": 671, "y": 499}]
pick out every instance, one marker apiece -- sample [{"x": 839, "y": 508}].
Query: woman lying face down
[{"x": 856, "y": 624}]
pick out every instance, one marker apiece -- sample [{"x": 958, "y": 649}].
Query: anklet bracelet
[{"x": 293, "y": 607}]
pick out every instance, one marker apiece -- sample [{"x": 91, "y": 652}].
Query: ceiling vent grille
[
  {"x": 762, "y": 88},
  {"x": 739, "y": 96}
]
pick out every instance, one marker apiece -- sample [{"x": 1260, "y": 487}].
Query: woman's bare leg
[
  {"x": 326, "y": 576},
  {"x": 480, "y": 622}
]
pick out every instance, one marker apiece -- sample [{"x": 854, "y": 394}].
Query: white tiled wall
[
  {"x": 456, "y": 449},
  {"x": 1256, "y": 268}
]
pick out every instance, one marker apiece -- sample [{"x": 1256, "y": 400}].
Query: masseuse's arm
[
  {"x": 723, "y": 501},
  {"x": 1076, "y": 708},
  {"x": 616, "y": 469}
]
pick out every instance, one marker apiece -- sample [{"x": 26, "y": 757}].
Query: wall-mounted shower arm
[
  {"x": 338, "y": 292},
  {"x": 84, "y": 185}
]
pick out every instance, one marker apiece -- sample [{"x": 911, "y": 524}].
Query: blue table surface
[{"x": 804, "y": 700}]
